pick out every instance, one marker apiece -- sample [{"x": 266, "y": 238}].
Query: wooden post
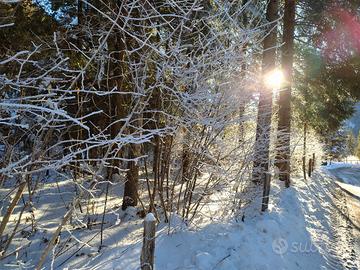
[
  {"x": 313, "y": 163},
  {"x": 310, "y": 167},
  {"x": 304, "y": 167},
  {"x": 266, "y": 192},
  {"x": 148, "y": 248}
]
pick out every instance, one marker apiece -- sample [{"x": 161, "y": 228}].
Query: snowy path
[{"x": 326, "y": 213}]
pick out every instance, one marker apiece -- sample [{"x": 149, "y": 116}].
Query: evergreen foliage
[{"x": 327, "y": 77}]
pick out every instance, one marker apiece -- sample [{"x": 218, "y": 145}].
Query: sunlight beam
[{"x": 274, "y": 79}]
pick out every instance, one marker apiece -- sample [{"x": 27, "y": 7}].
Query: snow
[
  {"x": 150, "y": 217},
  {"x": 294, "y": 234},
  {"x": 354, "y": 190},
  {"x": 336, "y": 165},
  {"x": 347, "y": 176},
  {"x": 203, "y": 260}
]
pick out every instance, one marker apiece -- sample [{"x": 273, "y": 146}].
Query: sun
[{"x": 274, "y": 79}]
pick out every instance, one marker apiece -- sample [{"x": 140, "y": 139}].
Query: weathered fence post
[
  {"x": 266, "y": 192},
  {"x": 313, "y": 163},
  {"x": 310, "y": 167},
  {"x": 148, "y": 248},
  {"x": 304, "y": 166}
]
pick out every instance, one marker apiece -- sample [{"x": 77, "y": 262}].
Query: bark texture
[
  {"x": 284, "y": 123},
  {"x": 262, "y": 144}
]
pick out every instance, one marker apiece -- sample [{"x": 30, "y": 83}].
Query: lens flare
[
  {"x": 274, "y": 79},
  {"x": 342, "y": 41}
]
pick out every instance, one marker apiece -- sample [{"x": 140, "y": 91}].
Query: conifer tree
[
  {"x": 284, "y": 123},
  {"x": 351, "y": 143},
  {"x": 263, "y": 125}
]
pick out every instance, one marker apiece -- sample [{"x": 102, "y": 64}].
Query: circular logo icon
[{"x": 280, "y": 246}]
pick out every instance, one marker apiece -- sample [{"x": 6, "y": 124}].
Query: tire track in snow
[
  {"x": 338, "y": 245},
  {"x": 342, "y": 231}
]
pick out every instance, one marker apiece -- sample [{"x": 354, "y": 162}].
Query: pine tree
[
  {"x": 262, "y": 141},
  {"x": 335, "y": 144},
  {"x": 327, "y": 80},
  {"x": 351, "y": 143}
]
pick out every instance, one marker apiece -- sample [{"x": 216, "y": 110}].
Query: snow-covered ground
[
  {"x": 303, "y": 229},
  {"x": 347, "y": 176}
]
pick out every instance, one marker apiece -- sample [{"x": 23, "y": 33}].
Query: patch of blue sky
[{"x": 61, "y": 15}]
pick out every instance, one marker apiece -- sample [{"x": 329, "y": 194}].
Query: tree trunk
[
  {"x": 262, "y": 143},
  {"x": 186, "y": 157},
  {"x": 287, "y": 56},
  {"x": 313, "y": 162},
  {"x": 242, "y": 106},
  {"x": 122, "y": 106},
  {"x": 119, "y": 104},
  {"x": 130, "y": 197},
  {"x": 80, "y": 13}
]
